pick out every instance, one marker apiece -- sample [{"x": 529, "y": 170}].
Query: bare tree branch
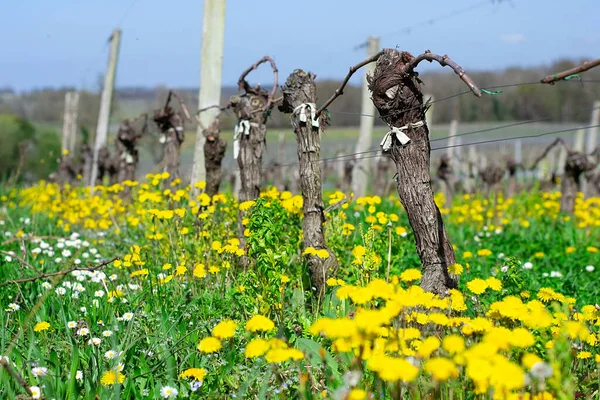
[
  {"x": 59, "y": 273},
  {"x": 15, "y": 375},
  {"x": 550, "y": 147},
  {"x": 243, "y": 85},
  {"x": 562, "y": 75},
  {"x": 340, "y": 91},
  {"x": 444, "y": 61}
]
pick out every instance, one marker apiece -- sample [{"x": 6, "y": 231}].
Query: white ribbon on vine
[
  {"x": 399, "y": 134},
  {"x": 312, "y": 108},
  {"x": 242, "y": 127}
]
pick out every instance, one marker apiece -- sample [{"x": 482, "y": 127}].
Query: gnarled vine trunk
[
  {"x": 299, "y": 96},
  {"x": 214, "y": 151},
  {"x": 399, "y": 100}
]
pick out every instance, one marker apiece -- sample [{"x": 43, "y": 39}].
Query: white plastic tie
[
  {"x": 399, "y": 134},
  {"x": 310, "y": 107}
]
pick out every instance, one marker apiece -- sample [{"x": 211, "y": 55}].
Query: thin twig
[
  {"x": 245, "y": 86},
  {"x": 21, "y": 260},
  {"x": 340, "y": 91},
  {"x": 545, "y": 153},
  {"x": 444, "y": 61},
  {"x": 15, "y": 375},
  {"x": 562, "y": 75},
  {"x": 59, "y": 273}
]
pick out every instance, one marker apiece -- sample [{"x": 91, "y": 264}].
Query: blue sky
[{"x": 63, "y": 42}]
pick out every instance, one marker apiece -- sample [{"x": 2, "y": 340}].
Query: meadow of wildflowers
[{"x": 174, "y": 316}]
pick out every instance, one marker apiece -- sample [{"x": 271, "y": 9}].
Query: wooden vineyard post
[
  {"x": 101, "y": 138},
  {"x": 360, "y": 174},
  {"x": 214, "y": 151},
  {"x": 211, "y": 71},
  {"x": 577, "y": 164},
  {"x": 127, "y": 141},
  {"x": 171, "y": 125},
  {"x": 299, "y": 97},
  {"x": 396, "y": 93}
]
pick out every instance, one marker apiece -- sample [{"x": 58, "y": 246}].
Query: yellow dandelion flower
[
  {"x": 410, "y": 275},
  {"x": 224, "y": 329},
  {"x": 196, "y": 373},
  {"x": 356, "y": 394},
  {"x": 455, "y": 269},
  {"x": 323, "y": 254},
  {"x": 110, "y": 378},
  {"x": 441, "y": 369},
  {"x": 584, "y": 355},
  {"x": 41, "y": 326},
  {"x": 484, "y": 252},
  {"x": 210, "y": 345},
  {"x": 259, "y": 323},
  {"x": 141, "y": 272},
  {"x": 256, "y": 348},
  {"x": 477, "y": 286},
  {"x": 494, "y": 283}
]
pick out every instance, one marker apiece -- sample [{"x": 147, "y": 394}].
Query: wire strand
[{"x": 338, "y": 159}]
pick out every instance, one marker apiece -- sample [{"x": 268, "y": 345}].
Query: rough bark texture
[
  {"x": 171, "y": 126},
  {"x": 300, "y": 89},
  {"x": 252, "y": 146},
  {"x": 399, "y": 100},
  {"x": 577, "y": 164},
  {"x": 250, "y": 107},
  {"x": 446, "y": 177},
  {"x": 214, "y": 151}
]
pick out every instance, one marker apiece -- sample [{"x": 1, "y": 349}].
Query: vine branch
[
  {"x": 550, "y": 147},
  {"x": 444, "y": 61},
  {"x": 15, "y": 375},
  {"x": 562, "y": 75},
  {"x": 59, "y": 273},
  {"x": 340, "y": 91},
  {"x": 243, "y": 85}
]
